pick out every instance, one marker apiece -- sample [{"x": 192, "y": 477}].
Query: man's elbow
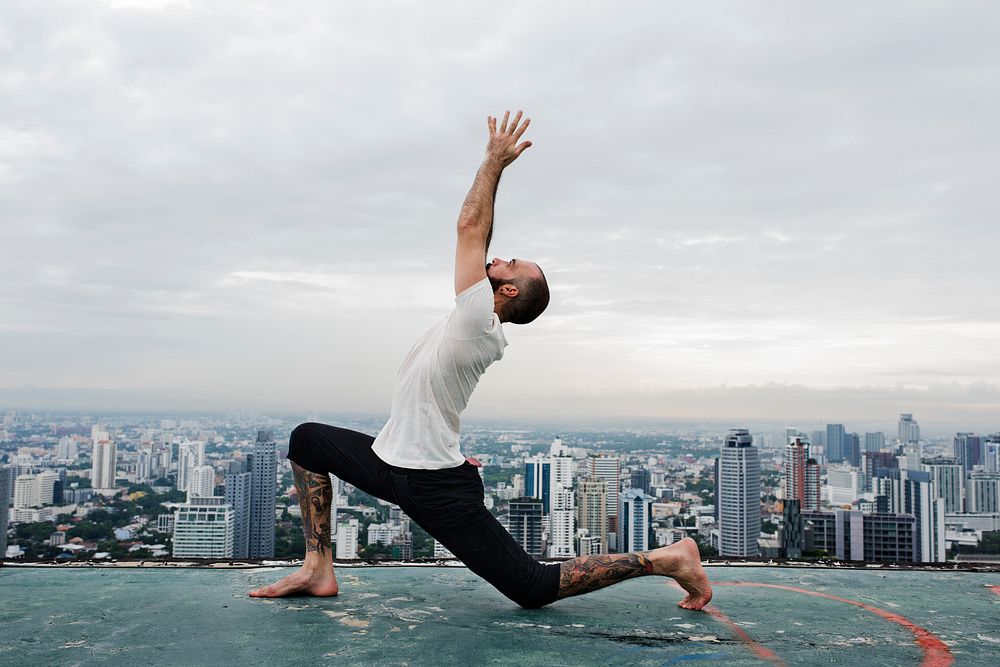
[{"x": 470, "y": 225}]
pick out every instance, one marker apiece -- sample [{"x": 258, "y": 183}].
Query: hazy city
[{"x": 132, "y": 487}]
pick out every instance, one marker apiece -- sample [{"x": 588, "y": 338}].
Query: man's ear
[{"x": 508, "y": 290}]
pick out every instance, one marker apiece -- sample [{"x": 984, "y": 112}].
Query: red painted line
[
  {"x": 994, "y": 588},
  {"x": 936, "y": 653},
  {"x": 761, "y": 651}
]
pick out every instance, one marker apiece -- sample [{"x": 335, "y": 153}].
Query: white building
[
  {"x": 189, "y": 455},
  {"x": 347, "y": 540},
  {"x": 202, "y": 482},
  {"x": 982, "y": 492},
  {"x": 34, "y": 490},
  {"x": 592, "y": 511},
  {"x": 103, "y": 465},
  {"x": 441, "y": 552},
  {"x": 844, "y": 485},
  {"x": 738, "y": 495},
  {"x": 203, "y": 528},
  {"x": 561, "y": 528}
]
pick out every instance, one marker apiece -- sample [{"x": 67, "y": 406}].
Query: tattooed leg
[
  {"x": 315, "y": 494},
  {"x": 679, "y": 561},
  {"x": 316, "y": 577},
  {"x": 589, "y": 573}
]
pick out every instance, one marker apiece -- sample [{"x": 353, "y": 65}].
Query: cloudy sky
[{"x": 745, "y": 210}]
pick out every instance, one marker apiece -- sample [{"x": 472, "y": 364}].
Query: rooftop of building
[{"x": 448, "y": 616}]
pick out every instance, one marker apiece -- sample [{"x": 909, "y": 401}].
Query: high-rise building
[
  {"x": 948, "y": 479},
  {"x": 844, "y": 484},
  {"x": 991, "y": 451},
  {"x": 537, "y": 472},
  {"x": 908, "y": 431},
  {"x": 853, "y": 535},
  {"x": 592, "y": 510},
  {"x": 35, "y": 490},
  {"x": 66, "y": 450},
  {"x": 739, "y": 495},
  {"x": 982, "y": 492},
  {"x": 608, "y": 468},
  {"x": 852, "y": 449},
  {"x": 203, "y": 528},
  {"x": 640, "y": 479},
  {"x": 347, "y": 540},
  {"x": 835, "y": 443},
  {"x": 873, "y": 461},
  {"x": 526, "y": 524},
  {"x": 6, "y": 482},
  {"x": 562, "y": 506},
  {"x": 561, "y": 529},
  {"x": 874, "y": 442},
  {"x": 905, "y": 491},
  {"x": 968, "y": 451},
  {"x": 190, "y": 455},
  {"x": 263, "y": 488},
  {"x": 238, "y": 497},
  {"x": 792, "y": 538},
  {"x": 103, "y": 465},
  {"x": 635, "y": 516},
  {"x": 202, "y": 481},
  {"x": 801, "y": 478}
]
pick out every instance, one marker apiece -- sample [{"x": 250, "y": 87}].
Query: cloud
[{"x": 203, "y": 194}]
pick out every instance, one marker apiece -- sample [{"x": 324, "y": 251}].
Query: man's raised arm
[{"x": 475, "y": 222}]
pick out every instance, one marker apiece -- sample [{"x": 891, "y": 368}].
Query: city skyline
[{"x": 265, "y": 217}]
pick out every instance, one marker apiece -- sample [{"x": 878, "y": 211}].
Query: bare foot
[
  {"x": 307, "y": 581},
  {"x": 682, "y": 562}
]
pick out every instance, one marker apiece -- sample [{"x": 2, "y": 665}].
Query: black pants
[{"x": 447, "y": 503}]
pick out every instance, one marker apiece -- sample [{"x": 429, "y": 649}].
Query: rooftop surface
[{"x": 447, "y": 616}]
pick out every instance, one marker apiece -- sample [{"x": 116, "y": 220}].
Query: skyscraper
[
  {"x": 801, "y": 478},
  {"x": 739, "y": 495},
  {"x": 982, "y": 492},
  {"x": 347, "y": 540},
  {"x": 190, "y": 455},
  {"x": 263, "y": 487},
  {"x": 6, "y": 484},
  {"x": 835, "y": 443},
  {"x": 526, "y": 524},
  {"x": 102, "y": 470},
  {"x": 635, "y": 515},
  {"x": 608, "y": 468},
  {"x": 562, "y": 505},
  {"x": 640, "y": 479},
  {"x": 908, "y": 430},
  {"x": 592, "y": 509},
  {"x": 202, "y": 482},
  {"x": 912, "y": 492},
  {"x": 968, "y": 451},
  {"x": 948, "y": 479},
  {"x": 203, "y": 528},
  {"x": 238, "y": 497},
  {"x": 874, "y": 442},
  {"x": 537, "y": 472}
]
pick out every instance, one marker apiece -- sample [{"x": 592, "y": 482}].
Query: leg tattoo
[
  {"x": 588, "y": 573},
  {"x": 315, "y": 499}
]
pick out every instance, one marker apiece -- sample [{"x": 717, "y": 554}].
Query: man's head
[{"x": 520, "y": 292}]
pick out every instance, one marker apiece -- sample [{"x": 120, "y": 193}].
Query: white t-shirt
[{"x": 436, "y": 380}]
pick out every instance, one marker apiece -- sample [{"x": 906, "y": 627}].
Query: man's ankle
[{"x": 314, "y": 563}]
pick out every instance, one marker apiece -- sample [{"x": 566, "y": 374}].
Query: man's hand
[{"x": 503, "y": 147}]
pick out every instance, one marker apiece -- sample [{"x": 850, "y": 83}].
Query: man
[{"x": 415, "y": 461}]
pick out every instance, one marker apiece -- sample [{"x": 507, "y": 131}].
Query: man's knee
[{"x": 298, "y": 440}]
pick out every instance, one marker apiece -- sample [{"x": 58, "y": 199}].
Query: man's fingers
[
  {"x": 517, "y": 119},
  {"x": 520, "y": 130},
  {"x": 503, "y": 123},
  {"x": 520, "y": 149},
  {"x": 491, "y": 122}
]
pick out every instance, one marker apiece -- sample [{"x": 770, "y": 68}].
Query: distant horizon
[{"x": 101, "y": 403}]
